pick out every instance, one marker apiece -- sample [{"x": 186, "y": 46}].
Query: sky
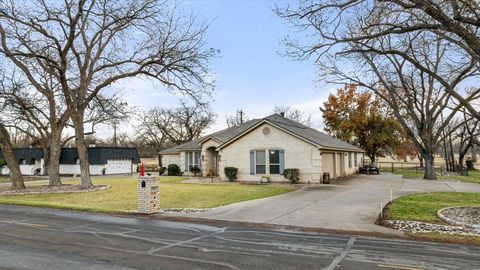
[{"x": 252, "y": 72}]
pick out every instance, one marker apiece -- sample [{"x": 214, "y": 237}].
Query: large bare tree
[
  {"x": 419, "y": 74},
  {"x": 87, "y": 45},
  {"x": 5, "y": 140},
  {"x": 337, "y": 24},
  {"x": 175, "y": 125}
]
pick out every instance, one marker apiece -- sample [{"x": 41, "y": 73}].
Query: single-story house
[
  {"x": 103, "y": 160},
  {"x": 264, "y": 148}
]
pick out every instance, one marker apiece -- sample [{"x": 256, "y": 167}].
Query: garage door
[
  {"x": 328, "y": 164},
  {"x": 118, "y": 166}
]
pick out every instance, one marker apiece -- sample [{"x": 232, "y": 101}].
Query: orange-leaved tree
[{"x": 360, "y": 118}]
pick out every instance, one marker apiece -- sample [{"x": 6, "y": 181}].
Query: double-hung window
[
  {"x": 193, "y": 160},
  {"x": 349, "y": 159},
  {"x": 267, "y": 161},
  {"x": 260, "y": 162},
  {"x": 355, "y": 158},
  {"x": 274, "y": 161}
]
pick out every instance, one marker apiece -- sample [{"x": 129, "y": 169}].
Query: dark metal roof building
[{"x": 96, "y": 155}]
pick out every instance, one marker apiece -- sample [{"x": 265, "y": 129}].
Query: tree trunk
[
  {"x": 46, "y": 159},
  {"x": 420, "y": 159},
  {"x": 12, "y": 163},
  {"x": 77, "y": 119},
  {"x": 429, "y": 167},
  {"x": 54, "y": 160},
  {"x": 461, "y": 158}
]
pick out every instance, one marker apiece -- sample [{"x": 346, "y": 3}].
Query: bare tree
[
  {"x": 418, "y": 74},
  {"x": 176, "y": 126},
  {"x": 7, "y": 147},
  {"x": 340, "y": 23},
  {"x": 466, "y": 136},
  {"x": 237, "y": 119},
  {"x": 86, "y": 46},
  {"x": 295, "y": 115}
]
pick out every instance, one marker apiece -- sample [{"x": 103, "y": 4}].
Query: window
[
  {"x": 260, "y": 162},
  {"x": 355, "y": 158},
  {"x": 349, "y": 160},
  {"x": 274, "y": 161},
  {"x": 193, "y": 159}
]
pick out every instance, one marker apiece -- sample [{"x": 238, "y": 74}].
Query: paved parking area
[{"x": 351, "y": 204}]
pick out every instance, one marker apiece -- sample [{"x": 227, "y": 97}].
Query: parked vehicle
[{"x": 370, "y": 169}]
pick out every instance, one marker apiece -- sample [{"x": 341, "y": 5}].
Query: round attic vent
[{"x": 266, "y": 131}]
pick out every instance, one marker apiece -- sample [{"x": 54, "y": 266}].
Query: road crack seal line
[
  {"x": 180, "y": 243},
  {"x": 342, "y": 255}
]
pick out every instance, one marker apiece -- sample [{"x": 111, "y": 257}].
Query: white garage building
[{"x": 103, "y": 160}]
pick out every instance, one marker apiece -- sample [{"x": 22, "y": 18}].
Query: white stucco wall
[
  {"x": 298, "y": 154},
  {"x": 116, "y": 166},
  {"x": 26, "y": 169}
]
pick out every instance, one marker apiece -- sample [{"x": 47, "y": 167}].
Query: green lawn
[
  {"x": 473, "y": 176},
  {"x": 424, "y": 207},
  {"x": 173, "y": 194}
]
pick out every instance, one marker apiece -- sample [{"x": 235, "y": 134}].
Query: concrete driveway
[{"x": 351, "y": 204}]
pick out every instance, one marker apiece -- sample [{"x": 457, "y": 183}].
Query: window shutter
[
  {"x": 282, "y": 161},
  {"x": 252, "y": 162},
  {"x": 186, "y": 161}
]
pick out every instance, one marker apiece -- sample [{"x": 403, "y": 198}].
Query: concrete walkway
[{"x": 351, "y": 204}]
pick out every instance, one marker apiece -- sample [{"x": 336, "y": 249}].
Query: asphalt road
[{"x": 34, "y": 238}]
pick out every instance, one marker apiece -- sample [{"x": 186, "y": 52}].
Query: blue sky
[{"x": 251, "y": 72}]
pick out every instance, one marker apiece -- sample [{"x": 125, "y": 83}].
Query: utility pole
[
  {"x": 241, "y": 113},
  {"x": 115, "y": 133}
]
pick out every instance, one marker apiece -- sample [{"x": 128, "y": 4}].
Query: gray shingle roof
[{"x": 312, "y": 135}]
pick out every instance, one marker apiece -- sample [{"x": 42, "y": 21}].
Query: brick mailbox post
[{"x": 148, "y": 195}]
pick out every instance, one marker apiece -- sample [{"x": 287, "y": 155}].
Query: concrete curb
[
  {"x": 454, "y": 222},
  {"x": 290, "y": 228}
]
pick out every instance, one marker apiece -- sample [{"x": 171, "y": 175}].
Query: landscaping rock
[
  {"x": 424, "y": 227},
  {"x": 468, "y": 216},
  {"x": 31, "y": 190},
  {"x": 182, "y": 210}
]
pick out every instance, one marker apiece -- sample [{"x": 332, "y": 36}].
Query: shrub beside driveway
[{"x": 122, "y": 197}]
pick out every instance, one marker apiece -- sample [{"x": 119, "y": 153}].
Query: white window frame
[
  {"x": 267, "y": 161},
  {"x": 349, "y": 159},
  {"x": 193, "y": 158},
  {"x": 355, "y": 158},
  {"x": 264, "y": 164},
  {"x": 270, "y": 164}
]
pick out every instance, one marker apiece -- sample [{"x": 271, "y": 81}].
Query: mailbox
[{"x": 148, "y": 195}]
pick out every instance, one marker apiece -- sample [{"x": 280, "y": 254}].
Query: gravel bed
[
  {"x": 53, "y": 190},
  {"x": 466, "y": 215},
  {"x": 423, "y": 227},
  {"x": 183, "y": 210}
]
